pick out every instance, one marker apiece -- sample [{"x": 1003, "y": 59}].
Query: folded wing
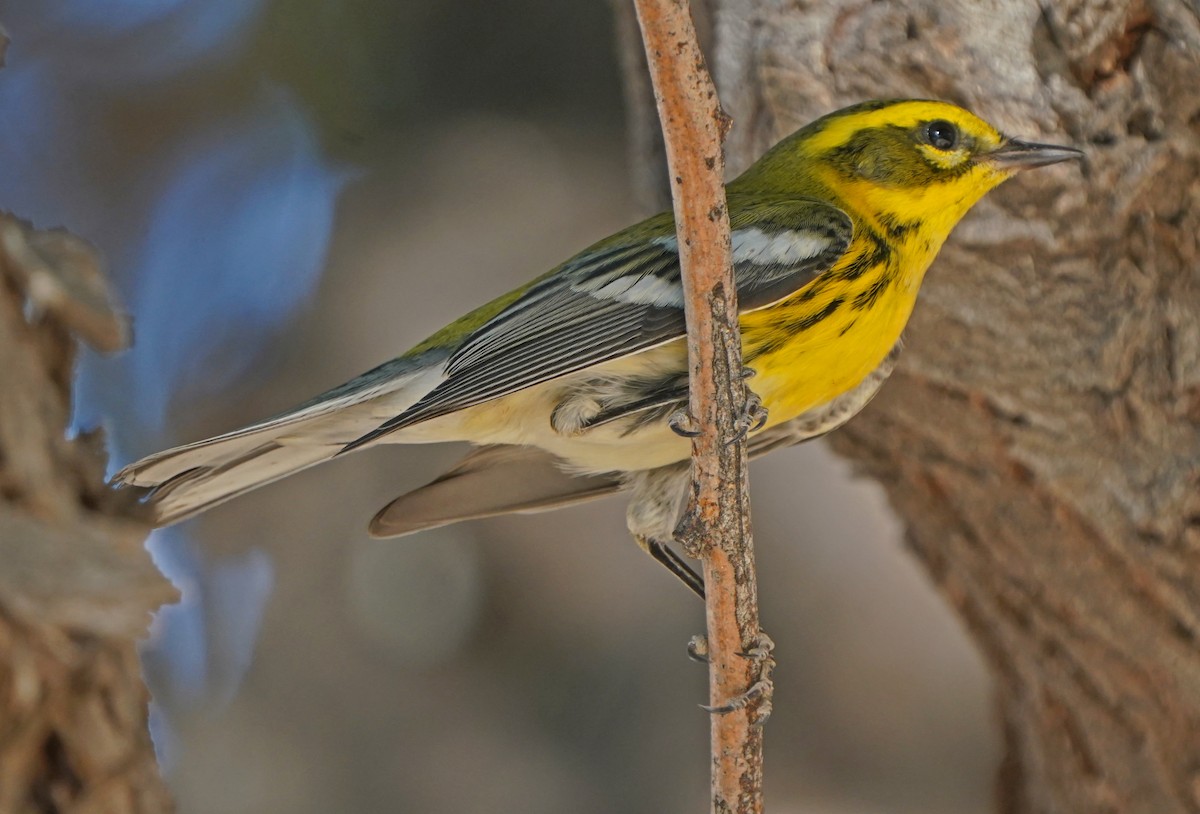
[{"x": 623, "y": 296}]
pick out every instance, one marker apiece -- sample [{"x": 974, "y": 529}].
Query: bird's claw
[
  {"x": 761, "y": 692},
  {"x": 682, "y": 423},
  {"x": 752, "y": 418},
  {"x": 697, "y": 648},
  {"x": 761, "y": 650}
]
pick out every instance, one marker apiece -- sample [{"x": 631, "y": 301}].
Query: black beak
[{"x": 1016, "y": 155}]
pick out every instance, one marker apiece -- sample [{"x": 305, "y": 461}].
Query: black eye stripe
[
  {"x": 898, "y": 156},
  {"x": 942, "y": 135}
]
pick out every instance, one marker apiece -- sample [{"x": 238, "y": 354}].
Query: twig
[{"x": 716, "y": 526}]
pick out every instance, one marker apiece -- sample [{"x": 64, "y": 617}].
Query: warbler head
[{"x": 906, "y": 161}]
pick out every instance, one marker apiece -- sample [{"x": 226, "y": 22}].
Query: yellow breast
[{"x": 827, "y": 338}]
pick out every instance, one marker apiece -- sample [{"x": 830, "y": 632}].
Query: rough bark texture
[
  {"x": 1041, "y": 439},
  {"x": 76, "y": 585},
  {"x": 716, "y": 526}
]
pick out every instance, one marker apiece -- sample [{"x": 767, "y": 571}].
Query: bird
[{"x": 569, "y": 387}]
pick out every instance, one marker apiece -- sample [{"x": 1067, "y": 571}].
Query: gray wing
[
  {"x": 622, "y": 297},
  {"x": 490, "y": 481}
]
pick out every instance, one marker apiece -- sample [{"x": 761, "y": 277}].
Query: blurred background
[{"x": 288, "y": 193}]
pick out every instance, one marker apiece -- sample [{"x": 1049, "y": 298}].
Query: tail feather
[
  {"x": 200, "y": 488},
  {"x": 155, "y": 470},
  {"x": 189, "y": 479}
]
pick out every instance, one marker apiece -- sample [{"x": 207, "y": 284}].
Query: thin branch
[{"x": 716, "y": 526}]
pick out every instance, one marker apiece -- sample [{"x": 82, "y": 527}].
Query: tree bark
[
  {"x": 716, "y": 526},
  {"x": 1041, "y": 439},
  {"x": 77, "y": 587}
]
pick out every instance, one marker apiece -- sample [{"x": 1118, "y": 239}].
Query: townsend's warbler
[{"x": 568, "y": 383}]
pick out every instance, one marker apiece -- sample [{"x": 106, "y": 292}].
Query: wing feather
[{"x": 623, "y": 297}]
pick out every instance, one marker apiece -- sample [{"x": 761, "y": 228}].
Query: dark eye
[{"x": 942, "y": 134}]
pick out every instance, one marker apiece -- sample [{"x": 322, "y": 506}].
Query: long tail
[
  {"x": 225, "y": 476},
  {"x": 187, "y": 480}
]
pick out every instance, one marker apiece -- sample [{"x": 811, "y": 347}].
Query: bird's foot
[
  {"x": 752, "y": 417},
  {"x": 761, "y": 691},
  {"x": 682, "y": 423}
]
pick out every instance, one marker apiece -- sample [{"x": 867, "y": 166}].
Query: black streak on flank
[
  {"x": 897, "y": 229},
  {"x": 810, "y": 320},
  {"x": 867, "y": 297},
  {"x": 791, "y": 327},
  {"x": 810, "y": 292},
  {"x": 878, "y": 255}
]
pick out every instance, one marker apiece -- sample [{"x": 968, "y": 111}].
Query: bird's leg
[
  {"x": 674, "y": 563},
  {"x": 762, "y": 690},
  {"x": 753, "y": 415}
]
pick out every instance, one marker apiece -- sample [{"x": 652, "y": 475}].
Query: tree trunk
[
  {"x": 76, "y": 584},
  {"x": 1041, "y": 439}
]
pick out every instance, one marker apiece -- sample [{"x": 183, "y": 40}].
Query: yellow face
[
  {"x": 920, "y": 160},
  {"x": 911, "y": 161}
]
